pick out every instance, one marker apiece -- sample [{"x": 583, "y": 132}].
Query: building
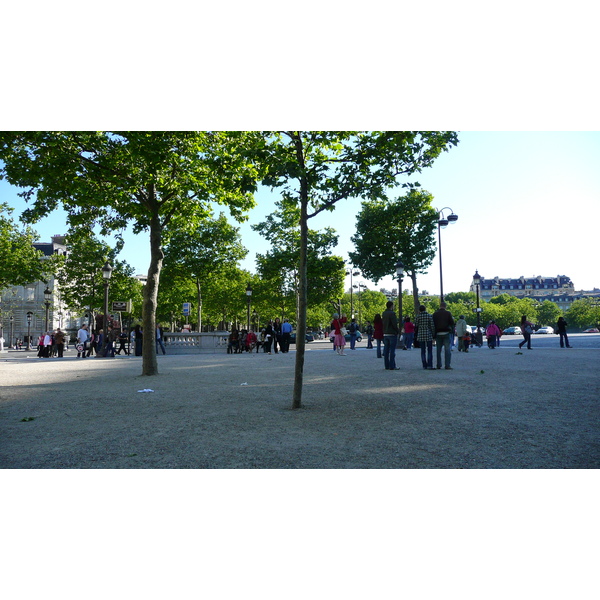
[
  {"x": 34, "y": 299},
  {"x": 559, "y": 289}
]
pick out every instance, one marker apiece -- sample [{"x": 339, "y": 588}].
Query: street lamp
[
  {"x": 12, "y": 319},
  {"x": 249, "y": 295},
  {"x": 477, "y": 281},
  {"x": 442, "y": 224},
  {"x": 106, "y": 273},
  {"x": 399, "y": 273},
  {"x": 47, "y": 296},
  {"x": 352, "y": 272},
  {"x": 29, "y": 315}
]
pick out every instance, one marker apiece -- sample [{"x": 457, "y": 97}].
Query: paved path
[{"x": 496, "y": 409}]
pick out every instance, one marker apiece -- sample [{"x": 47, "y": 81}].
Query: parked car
[
  {"x": 309, "y": 337},
  {"x": 347, "y": 336},
  {"x": 513, "y": 331},
  {"x": 592, "y": 330},
  {"x": 545, "y": 330}
]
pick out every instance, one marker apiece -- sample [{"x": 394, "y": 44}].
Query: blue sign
[{"x": 187, "y": 307}]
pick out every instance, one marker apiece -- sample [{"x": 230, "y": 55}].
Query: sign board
[
  {"x": 187, "y": 309},
  {"x": 121, "y": 306}
]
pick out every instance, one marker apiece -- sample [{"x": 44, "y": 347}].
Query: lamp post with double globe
[
  {"x": 442, "y": 224},
  {"x": 106, "y": 273},
  {"x": 477, "y": 281}
]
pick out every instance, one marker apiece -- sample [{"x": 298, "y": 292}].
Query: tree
[
  {"x": 196, "y": 255},
  {"x": 21, "y": 263},
  {"x": 150, "y": 180},
  {"x": 316, "y": 169},
  {"x": 548, "y": 313},
  {"x": 388, "y": 230},
  {"x": 325, "y": 272},
  {"x": 80, "y": 274},
  {"x": 584, "y": 313}
]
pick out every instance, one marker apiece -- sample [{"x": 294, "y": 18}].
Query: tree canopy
[{"x": 149, "y": 180}]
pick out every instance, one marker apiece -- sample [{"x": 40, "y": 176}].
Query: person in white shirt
[{"x": 82, "y": 338}]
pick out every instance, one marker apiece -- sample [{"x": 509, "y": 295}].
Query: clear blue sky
[{"x": 527, "y": 205}]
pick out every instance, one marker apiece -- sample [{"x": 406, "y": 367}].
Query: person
[
  {"x": 492, "y": 332},
  {"x": 122, "y": 343},
  {"x": 47, "y": 345},
  {"x": 561, "y": 329},
  {"x": 444, "y": 325},
  {"x": 59, "y": 340},
  {"x": 378, "y": 333},
  {"x": 276, "y": 334},
  {"x": 369, "y": 331},
  {"x": 526, "y": 330},
  {"x": 268, "y": 338},
  {"x": 82, "y": 340},
  {"x": 93, "y": 341},
  {"x": 425, "y": 330},
  {"x": 390, "y": 336},
  {"x": 99, "y": 343},
  {"x": 159, "y": 340},
  {"x": 286, "y": 331},
  {"x": 461, "y": 331},
  {"x": 352, "y": 329},
  {"x": 138, "y": 335},
  {"x": 409, "y": 333},
  {"x": 40, "y": 346},
  {"x": 339, "y": 340},
  {"x": 232, "y": 341},
  {"x": 250, "y": 341}
]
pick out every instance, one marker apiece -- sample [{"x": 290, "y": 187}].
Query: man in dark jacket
[
  {"x": 390, "y": 335},
  {"x": 444, "y": 326}
]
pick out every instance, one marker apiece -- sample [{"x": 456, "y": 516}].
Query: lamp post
[
  {"x": 442, "y": 224},
  {"x": 399, "y": 272},
  {"x": 47, "y": 296},
  {"x": 12, "y": 320},
  {"x": 249, "y": 296},
  {"x": 477, "y": 281},
  {"x": 352, "y": 272},
  {"x": 29, "y": 315},
  {"x": 106, "y": 273}
]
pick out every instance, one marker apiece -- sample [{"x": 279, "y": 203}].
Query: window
[{"x": 29, "y": 294}]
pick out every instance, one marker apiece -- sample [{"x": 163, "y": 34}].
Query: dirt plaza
[{"x": 501, "y": 409}]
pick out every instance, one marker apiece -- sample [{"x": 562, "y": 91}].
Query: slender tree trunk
[
  {"x": 302, "y": 281},
  {"x": 413, "y": 276},
  {"x": 149, "y": 362},
  {"x": 199, "y": 298}
]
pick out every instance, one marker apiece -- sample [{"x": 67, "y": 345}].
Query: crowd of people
[
  {"x": 275, "y": 336},
  {"x": 427, "y": 330}
]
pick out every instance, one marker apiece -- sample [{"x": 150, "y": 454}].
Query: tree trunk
[
  {"x": 149, "y": 362},
  {"x": 302, "y": 303},
  {"x": 413, "y": 277},
  {"x": 199, "y": 312}
]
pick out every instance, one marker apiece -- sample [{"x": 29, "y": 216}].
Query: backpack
[{"x": 352, "y": 328}]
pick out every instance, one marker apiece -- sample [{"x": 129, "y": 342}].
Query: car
[
  {"x": 309, "y": 337},
  {"x": 513, "y": 331},
  {"x": 545, "y": 330},
  {"x": 592, "y": 330},
  {"x": 347, "y": 336}
]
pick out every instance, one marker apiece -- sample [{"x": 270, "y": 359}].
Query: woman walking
[
  {"x": 339, "y": 339},
  {"x": 526, "y": 330},
  {"x": 492, "y": 332}
]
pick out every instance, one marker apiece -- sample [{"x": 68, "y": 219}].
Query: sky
[{"x": 526, "y": 204}]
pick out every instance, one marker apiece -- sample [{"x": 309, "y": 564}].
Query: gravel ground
[{"x": 498, "y": 409}]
